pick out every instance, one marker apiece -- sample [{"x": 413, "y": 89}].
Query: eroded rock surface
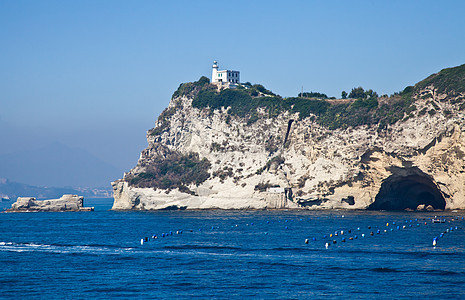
[
  {"x": 65, "y": 203},
  {"x": 284, "y": 161}
]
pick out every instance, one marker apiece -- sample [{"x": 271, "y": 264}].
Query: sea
[{"x": 216, "y": 254}]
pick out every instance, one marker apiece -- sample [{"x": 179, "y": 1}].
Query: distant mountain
[
  {"x": 12, "y": 190},
  {"x": 57, "y": 165}
]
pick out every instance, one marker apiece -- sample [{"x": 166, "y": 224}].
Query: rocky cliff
[
  {"x": 251, "y": 149},
  {"x": 65, "y": 203}
]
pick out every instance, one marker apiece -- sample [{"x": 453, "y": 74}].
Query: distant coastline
[{"x": 12, "y": 190}]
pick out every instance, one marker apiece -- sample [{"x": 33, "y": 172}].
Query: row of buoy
[
  {"x": 147, "y": 239},
  {"x": 435, "y": 239},
  {"x": 403, "y": 225},
  {"x": 378, "y": 231},
  {"x": 154, "y": 237}
]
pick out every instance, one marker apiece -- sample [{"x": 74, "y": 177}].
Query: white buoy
[
  {"x": 326, "y": 245},
  {"x": 434, "y": 242},
  {"x": 142, "y": 241}
]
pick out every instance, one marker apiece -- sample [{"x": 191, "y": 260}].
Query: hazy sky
[{"x": 96, "y": 74}]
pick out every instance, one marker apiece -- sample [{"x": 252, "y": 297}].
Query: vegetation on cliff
[
  {"x": 313, "y": 95},
  {"x": 366, "y": 109},
  {"x": 363, "y": 107},
  {"x": 173, "y": 170},
  {"x": 192, "y": 88},
  {"x": 450, "y": 80}
]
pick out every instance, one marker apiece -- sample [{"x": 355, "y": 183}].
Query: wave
[{"x": 65, "y": 249}]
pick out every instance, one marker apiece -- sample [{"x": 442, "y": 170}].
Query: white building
[{"x": 225, "y": 78}]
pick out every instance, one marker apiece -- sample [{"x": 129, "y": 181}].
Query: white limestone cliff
[{"x": 324, "y": 169}]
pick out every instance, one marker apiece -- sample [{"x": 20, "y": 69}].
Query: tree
[
  {"x": 344, "y": 94},
  {"x": 313, "y": 95},
  {"x": 371, "y": 94},
  {"x": 357, "y": 93}
]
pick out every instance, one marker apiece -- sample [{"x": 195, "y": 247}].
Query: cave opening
[{"x": 408, "y": 189}]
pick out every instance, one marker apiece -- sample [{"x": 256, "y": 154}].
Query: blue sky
[{"x": 96, "y": 74}]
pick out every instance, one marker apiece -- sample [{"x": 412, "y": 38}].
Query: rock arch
[{"x": 407, "y": 188}]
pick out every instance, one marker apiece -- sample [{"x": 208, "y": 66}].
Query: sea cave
[{"x": 407, "y": 189}]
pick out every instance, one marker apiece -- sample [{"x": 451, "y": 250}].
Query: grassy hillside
[{"x": 450, "y": 80}]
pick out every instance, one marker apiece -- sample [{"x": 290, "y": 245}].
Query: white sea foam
[{"x": 86, "y": 249}]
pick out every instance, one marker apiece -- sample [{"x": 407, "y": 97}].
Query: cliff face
[{"x": 207, "y": 157}]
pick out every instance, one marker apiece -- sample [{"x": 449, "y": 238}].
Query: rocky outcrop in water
[
  {"x": 65, "y": 203},
  {"x": 251, "y": 149}
]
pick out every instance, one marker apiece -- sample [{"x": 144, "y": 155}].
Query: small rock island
[{"x": 65, "y": 203}]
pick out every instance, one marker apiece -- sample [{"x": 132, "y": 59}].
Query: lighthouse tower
[{"x": 215, "y": 72}]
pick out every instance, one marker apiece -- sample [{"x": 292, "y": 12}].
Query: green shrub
[
  {"x": 357, "y": 93},
  {"x": 241, "y": 103},
  {"x": 427, "y": 96},
  {"x": 422, "y": 112},
  {"x": 164, "y": 120},
  {"x": 370, "y": 103},
  {"x": 190, "y": 88},
  {"x": 224, "y": 173},
  {"x": 172, "y": 170},
  {"x": 262, "y": 89},
  {"x": 313, "y": 95},
  {"x": 216, "y": 147},
  {"x": 408, "y": 90},
  {"x": 305, "y": 106},
  {"x": 447, "y": 80}
]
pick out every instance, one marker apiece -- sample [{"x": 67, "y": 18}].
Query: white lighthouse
[
  {"x": 214, "y": 71},
  {"x": 225, "y": 78}
]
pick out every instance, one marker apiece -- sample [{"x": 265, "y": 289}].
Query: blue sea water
[{"x": 230, "y": 254}]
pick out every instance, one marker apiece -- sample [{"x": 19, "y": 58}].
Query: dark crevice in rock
[{"x": 289, "y": 124}]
